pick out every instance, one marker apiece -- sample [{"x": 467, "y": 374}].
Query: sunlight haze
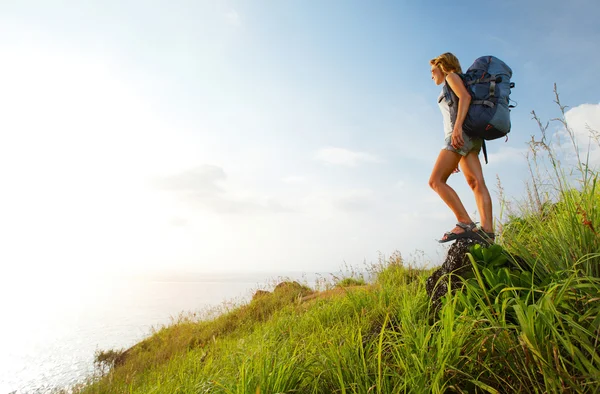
[{"x": 255, "y": 136}]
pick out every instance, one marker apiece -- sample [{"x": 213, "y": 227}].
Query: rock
[
  {"x": 286, "y": 284},
  {"x": 260, "y": 293},
  {"x": 292, "y": 288},
  {"x": 456, "y": 263},
  {"x": 121, "y": 358}
]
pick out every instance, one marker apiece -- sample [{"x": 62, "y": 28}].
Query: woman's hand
[{"x": 457, "y": 137}]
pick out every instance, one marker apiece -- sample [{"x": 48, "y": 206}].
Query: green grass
[
  {"x": 527, "y": 319},
  {"x": 502, "y": 333}
]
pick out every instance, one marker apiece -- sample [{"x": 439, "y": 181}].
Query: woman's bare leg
[
  {"x": 471, "y": 167},
  {"x": 446, "y": 163}
]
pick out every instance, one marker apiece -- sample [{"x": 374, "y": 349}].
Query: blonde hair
[{"x": 447, "y": 62}]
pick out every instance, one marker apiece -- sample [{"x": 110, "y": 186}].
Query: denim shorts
[{"x": 470, "y": 145}]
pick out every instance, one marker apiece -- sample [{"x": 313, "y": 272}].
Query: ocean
[{"x": 51, "y": 329}]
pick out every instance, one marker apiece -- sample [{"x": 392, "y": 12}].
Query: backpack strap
[
  {"x": 487, "y": 103},
  {"x": 481, "y": 80},
  {"x": 484, "y": 151},
  {"x": 447, "y": 93}
]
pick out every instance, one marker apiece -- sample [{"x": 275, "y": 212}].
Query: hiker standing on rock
[{"x": 459, "y": 149}]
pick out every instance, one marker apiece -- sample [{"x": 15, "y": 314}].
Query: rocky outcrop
[{"x": 457, "y": 264}]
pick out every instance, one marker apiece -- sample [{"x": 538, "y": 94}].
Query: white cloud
[
  {"x": 202, "y": 186},
  {"x": 584, "y": 121},
  {"x": 345, "y": 157}
]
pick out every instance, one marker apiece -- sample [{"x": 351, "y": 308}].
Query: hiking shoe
[{"x": 468, "y": 233}]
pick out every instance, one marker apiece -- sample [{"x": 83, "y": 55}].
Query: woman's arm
[{"x": 464, "y": 100}]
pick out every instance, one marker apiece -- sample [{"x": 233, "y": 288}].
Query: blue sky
[{"x": 270, "y": 136}]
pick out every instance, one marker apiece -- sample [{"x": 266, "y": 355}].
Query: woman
[{"x": 459, "y": 149}]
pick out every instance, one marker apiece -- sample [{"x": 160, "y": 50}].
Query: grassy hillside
[{"x": 527, "y": 319}]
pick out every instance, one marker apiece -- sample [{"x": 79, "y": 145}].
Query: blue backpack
[{"x": 488, "y": 82}]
